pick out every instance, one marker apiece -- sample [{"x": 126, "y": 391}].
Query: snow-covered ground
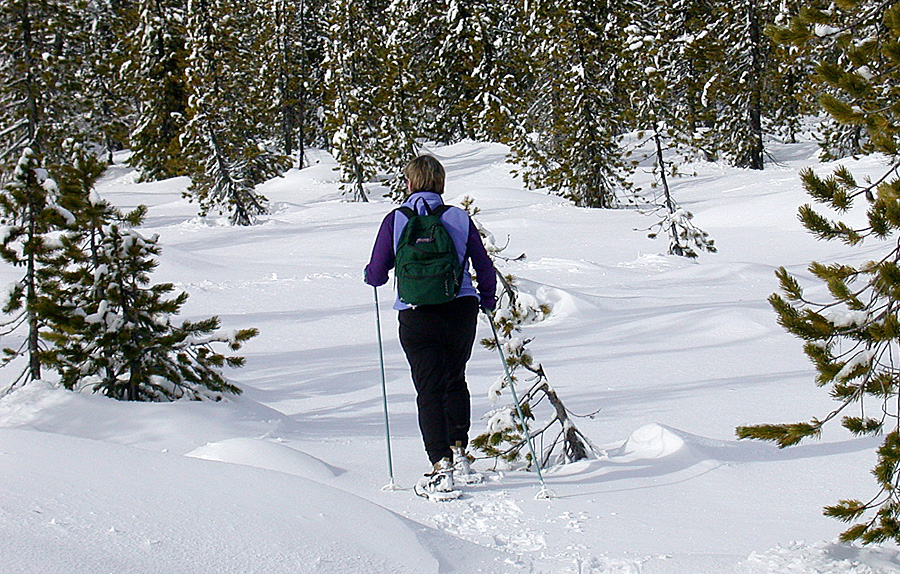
[{"x": 671, "y": 354}]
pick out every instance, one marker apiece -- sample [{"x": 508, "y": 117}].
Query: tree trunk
[
  {"x": 34, "y": 360},
  {"x": 755, "y": 111},
  {"x": 31, "y": 88},
  {"x": 574, "y": 447},
  {"x": 674, "y": 247}
]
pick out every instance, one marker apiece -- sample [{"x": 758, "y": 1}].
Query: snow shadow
[{"x": 656, "y": 451}]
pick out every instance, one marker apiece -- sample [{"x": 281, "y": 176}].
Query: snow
[
  {"x": 823, "y": 30},
  {"x": 96, "y": 510},
  {"x": 848, "y": 318},
  {"x": 861, "y": 358},
  {"x": 288, "y": 477}
]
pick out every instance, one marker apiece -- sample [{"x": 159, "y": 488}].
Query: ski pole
[
  {"x": 387, "y": 425},
  {"x": 545, "y": 492}
]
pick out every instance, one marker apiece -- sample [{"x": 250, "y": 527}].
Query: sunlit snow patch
[
  {"x": 651, "y": 441},
  {"x": 562, "y": 304},
  {"x": 23, "y": 406},
  {"x": 268, "y": 455},
  {"x": 653, "y": 262},
  {"x": 822, "y": 557}
]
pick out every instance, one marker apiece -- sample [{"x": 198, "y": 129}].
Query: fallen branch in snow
[{"x": 505, "y": 435}]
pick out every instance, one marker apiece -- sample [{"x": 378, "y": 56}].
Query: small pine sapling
[
  {"x": 685, "y": 238},
  {"x": 112, "y": 332},
  {"x": 504, "y": 437}
]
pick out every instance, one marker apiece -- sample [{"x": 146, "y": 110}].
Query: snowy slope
[
  {"x": 288, "y": 477},
  {"x": 98, "y": 507}
]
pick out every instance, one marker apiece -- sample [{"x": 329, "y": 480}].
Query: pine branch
[{"x": 784, "y": 435}]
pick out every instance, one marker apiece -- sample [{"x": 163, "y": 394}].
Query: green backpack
[{"x": 427, "y": 267}]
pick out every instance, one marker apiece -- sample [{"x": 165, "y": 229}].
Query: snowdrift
[{"x": 72, "y": 506}]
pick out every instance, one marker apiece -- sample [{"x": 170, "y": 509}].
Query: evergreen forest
[{"x": 231, "y": 93}]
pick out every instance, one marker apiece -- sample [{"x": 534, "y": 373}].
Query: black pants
[{"x": 437, "y": 340}]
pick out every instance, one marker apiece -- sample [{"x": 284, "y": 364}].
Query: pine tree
[
  {"x": 128, "y": 348},
  {"x": 501, "y": 72},
  {"x": 689, "y": 51},
  {"x": 851, "y": 336},
  {"x": 40, "y": 57},
  {"x": 819, "y": 35},
  {"x": 793, "y": 69},
  {"x": 657, "y": 48},
  {"x": 30, "y": 215},
  {"x": 360, "y": 78},
  {"x": 456, "y": 28},
  {"x": 290, "y": 43},
  {"x": 160, "y": 89},
  {"x": 740, "y": 81},
  {"x": 462, "y": 55},
  {"x": 347, "y": 96},
  {"x": 568, "y": 140},
  {"x": 107, "y": 62},
  {"x": 401, "y": 103},
  {"x": 225, "y": 144},
  {"x": 112, "y": 329}
]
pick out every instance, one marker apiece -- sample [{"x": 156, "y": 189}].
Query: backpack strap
[
  {"x": 409, "y": 213},
  {"x": 440, "y": 210}
]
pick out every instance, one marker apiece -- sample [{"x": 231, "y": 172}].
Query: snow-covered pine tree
[
  {"x": 159, "y": 88},
  {"x": 683, "y": 30},
  {"x": 106, "y": 72},
  {"x": 504, "y": 437},
  {"x": 792, "y": 71},
  {"x": 353, "y": 71},
  {"x": 568, "y": 138},
  {"x": 851, "y": 335},
  {"x": 451, "y": 30},
  {"x": 412, "y": 44},
  {"x": 40, "y": 56},
  {"x": 31, "y": 217},
  {"x": 290, "y": 44},
  {"x": 742, "y": 85},
  {"x": 466, "y": 64},
  {"x": 817, "y": 37},
  {"x": 130, "y": 349},
  {"x": 400, "y": 99},
  {"x": 112, "y": 331},
  {"x": 657, "y": 46},
  {"x": 225, "y": 143},
  {"x": 501, "y": 73},
  {"x": 369, "y": 105}
]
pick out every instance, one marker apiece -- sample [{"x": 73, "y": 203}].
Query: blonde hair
[{"x": 425, "y": 173}]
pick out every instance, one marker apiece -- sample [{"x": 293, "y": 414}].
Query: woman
[{"x": 437, "y": 339}]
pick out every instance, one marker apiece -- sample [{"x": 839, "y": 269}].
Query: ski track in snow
[{"x": 674, "y": 353}]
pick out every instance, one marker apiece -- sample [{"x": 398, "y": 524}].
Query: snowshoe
[
  {"x": 462, "y": 468},
  {"x": 438, "y": 485}
]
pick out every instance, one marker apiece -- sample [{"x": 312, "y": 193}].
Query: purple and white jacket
[{"x": 465, "y": 238}]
